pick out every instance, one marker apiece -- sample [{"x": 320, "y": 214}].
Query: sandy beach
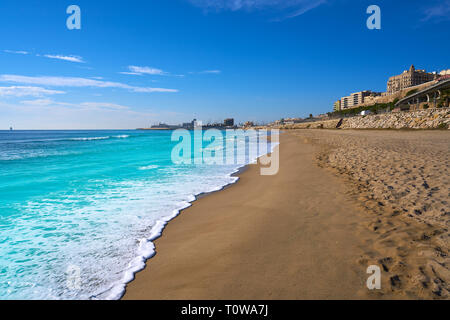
[{"x": 342, "y": 200}]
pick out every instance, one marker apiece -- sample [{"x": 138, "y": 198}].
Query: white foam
[
  {"x": 149, "y": 167},
  {"x": 121, "y": 213},
  {"x": 146, "y": 248},
  {"x": 89, "y": 138}
]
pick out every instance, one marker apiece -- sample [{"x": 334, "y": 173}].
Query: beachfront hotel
[
  {"x": 396, "y": 88},
  {"x": 353, "y": 100},
  {"x": 337, "y": 105},
  {"x": 409, "y": 78}
]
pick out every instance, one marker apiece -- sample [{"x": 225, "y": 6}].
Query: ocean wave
[
  {"x": 146, "y": 248},
  {"x": 122, "y": 136},
  {"x": 150, "y": 167},
  {"x": 12, "y": 142},
  {"x": 14, "y": 156},
  {"x": 128, "y": 215},
  {"x": 87, "y": 139}
]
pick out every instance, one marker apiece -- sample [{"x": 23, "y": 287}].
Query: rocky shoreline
[{"x": 422, "y": 119}]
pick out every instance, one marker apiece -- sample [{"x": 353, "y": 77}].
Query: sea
[{"x": 79, "y": 210}]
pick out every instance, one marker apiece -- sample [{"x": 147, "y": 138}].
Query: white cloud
[
  {"x": 438, "y": 12},
  {"x": 83, "y": 105},
  {"x": 146, "y": 70},
  {"x": 49, "y": 114},
  {"x": 212, "y": 71},
  {"x": 307, "y": 6},
  {"x": 150, "y": 90},
  {"x": 38, "y": 102},
  {"x": 76, "y": 82},
  {"x": 16, "y": 52},
  {"x": 131, "y": 73},
  {"x": 65, "y": 58},
  {"x": 104, "y": 105},
  {"x": 70, "y": 58},
  {"x": 295, "y": 7},
  {"x": 207, "y": 72},
  {"x": 140, "y": 71},
  {"x": 136, "y": 70},
  {"x": 22, "y": 91}
]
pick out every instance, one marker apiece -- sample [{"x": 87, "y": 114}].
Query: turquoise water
[{"x": 89, "y": 201}]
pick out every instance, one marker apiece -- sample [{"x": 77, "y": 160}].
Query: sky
[{"x": 136, "y": 63}]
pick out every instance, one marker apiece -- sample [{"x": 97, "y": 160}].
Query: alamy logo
[
  {"x": 74, "y": 20},
  {"x": 229, "y": 147},
  {"x": 374, "y": 21},
  {"x": 374, "y": 281},
  {"x": 73, "y": 277}
]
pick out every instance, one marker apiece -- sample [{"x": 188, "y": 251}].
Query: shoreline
[
  {"x": 144, "y": 279},
  {"x": 118, "y": 290},
  {"x": 274, "y": 237}
]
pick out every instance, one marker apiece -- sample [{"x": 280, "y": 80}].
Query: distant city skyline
[{"x": 137, "y": 63}]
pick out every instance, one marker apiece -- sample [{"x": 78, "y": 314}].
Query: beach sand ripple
[{"x": 402, "y": 178}]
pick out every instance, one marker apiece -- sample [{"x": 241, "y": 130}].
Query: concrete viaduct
[{"x": 429, "y": 95}]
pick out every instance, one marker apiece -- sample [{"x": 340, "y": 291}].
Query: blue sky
[{"x": 135, "y": 63}]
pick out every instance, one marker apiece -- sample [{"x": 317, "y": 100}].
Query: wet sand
[{"x": 304, "y": 233}]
